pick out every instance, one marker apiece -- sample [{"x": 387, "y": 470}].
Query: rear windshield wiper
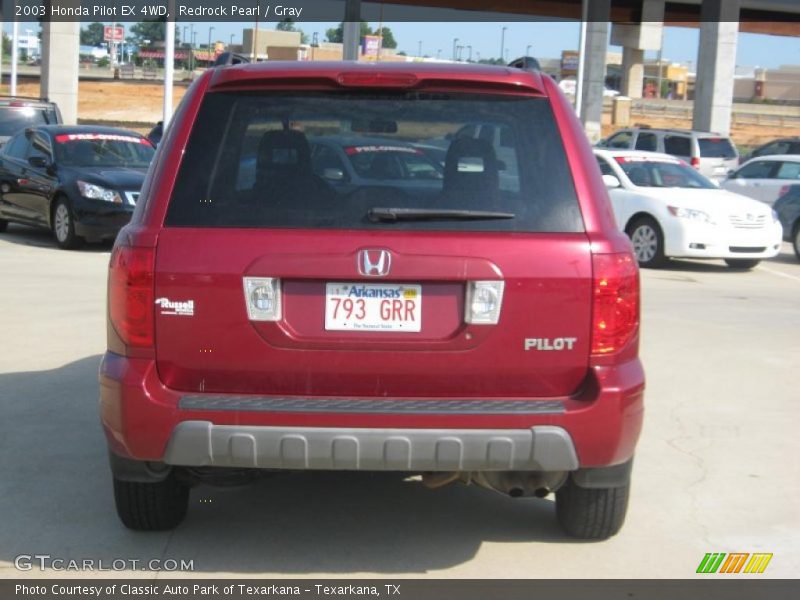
[{"x": 392, "y": 215}]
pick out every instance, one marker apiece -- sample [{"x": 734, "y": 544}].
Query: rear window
[
  {"x": 13, "y": 119},
  {"x": 358, "y": 160},
  {"x": 716, "y": 148}
]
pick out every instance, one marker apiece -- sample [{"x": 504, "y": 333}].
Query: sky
[{"x": 546, "y": 40}]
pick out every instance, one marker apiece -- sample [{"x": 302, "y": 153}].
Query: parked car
[
  {"x": 669, "y": 210},
  {"x": 81, "y": 182},
  {"x": 350, "y": 163},
  {"x": 790, "y": 145},
  {"x": 18, "y": 112},
  {"x": 788, "y": 209},
  {"x": 765, "y": 178},
  {"x": 712, "y": 154},
  {"x": 278, "y": 321}
]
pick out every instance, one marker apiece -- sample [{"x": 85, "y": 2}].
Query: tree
[
  {"x": 92, "y": 35},
  {"x": 288, "y": 25},
  {"x": 388, "y": 37},
  {"x": 149, "y": 30},
  {"x": 336, "y": 35}
]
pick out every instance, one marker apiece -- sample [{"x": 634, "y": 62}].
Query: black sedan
[
  {"x": 81, "y": 182},
  {"x": 788, "y": 209}
]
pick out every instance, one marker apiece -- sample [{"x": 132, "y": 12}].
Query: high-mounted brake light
[
  {"x": 615, "y": 302},
  {"x": 377, "y": 79},
  {"x": 131, "y": 294},
  {"x": 695, "y": 162}
]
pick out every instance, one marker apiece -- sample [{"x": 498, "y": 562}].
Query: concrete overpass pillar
[
  {"x": 632, "y": 72},
  {"x": 594, "y": 74},
  {"x": 635, "y": 39},
  {"x": 716, "y": 66},
  {"x": 351, "y": 28},
  {"x": 60, "y": 49}
]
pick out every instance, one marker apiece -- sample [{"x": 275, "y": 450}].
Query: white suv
[{"x": 714, "y": 155}]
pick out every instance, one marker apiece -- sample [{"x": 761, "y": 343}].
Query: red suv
[{"x": 465, "y": 308}]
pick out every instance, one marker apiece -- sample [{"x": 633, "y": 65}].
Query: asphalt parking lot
[{"x": 716, "y": 469}]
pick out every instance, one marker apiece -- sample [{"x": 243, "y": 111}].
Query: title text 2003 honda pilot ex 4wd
[{"x": 471, "y": 314}]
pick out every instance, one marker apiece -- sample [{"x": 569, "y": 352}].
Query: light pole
[
  {"x": 502, "y": 42},
  {"x": 455, "y": 41},
  {"x": 231, "y": 42},
  {"x": 469, "y": 56},
  {"x": 194, "y": 43},
  {"x": 528, "y": 50},
  {"x": 438, "y": 53},
  {"x": 210, "y": 29},
  {"x": 14, "y": 49}
]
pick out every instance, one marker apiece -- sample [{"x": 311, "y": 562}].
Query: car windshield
[
  {"x": 395, "y": 160},
  {"x": 102, "y": 150},
  {"x": 13, "y": 119},
  {"x": 662, "y": 173}
]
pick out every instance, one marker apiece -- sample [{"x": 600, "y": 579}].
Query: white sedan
[
  {"x": 765, "y": 178},
  {"x": 669, "y": 210}
]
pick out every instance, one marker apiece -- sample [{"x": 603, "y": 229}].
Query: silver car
[
  {"x": 765, "y": 178},
  {"x": 712, "y": 154}
]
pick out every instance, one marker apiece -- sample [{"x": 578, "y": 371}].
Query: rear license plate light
[
  {"x": 483, "y": 302},
  {"x": 262, "y": 295}
]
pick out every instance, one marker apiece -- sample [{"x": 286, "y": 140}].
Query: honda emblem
[{"x": 374, "y": 263}]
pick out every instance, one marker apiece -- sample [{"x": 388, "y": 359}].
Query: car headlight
[
  {"x": 96, "y": 192},
  {"x": 690, "y": 214}
]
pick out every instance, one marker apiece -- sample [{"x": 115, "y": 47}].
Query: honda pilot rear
[{"x": 305, "y": 286}]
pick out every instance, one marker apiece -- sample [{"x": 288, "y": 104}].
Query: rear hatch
[
  {"x": 718, "y": 156},
  {"x": 272, "y": 277}
]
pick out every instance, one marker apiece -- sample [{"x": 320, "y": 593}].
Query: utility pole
[
  {"x": 455, "y": 41},
  {"x": 502, "y": 42}
]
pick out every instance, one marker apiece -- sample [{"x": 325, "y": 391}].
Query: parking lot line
[{"x": 778, "y": 273}]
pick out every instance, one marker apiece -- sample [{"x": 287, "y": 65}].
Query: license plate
[{"x": 373, "y": 307}]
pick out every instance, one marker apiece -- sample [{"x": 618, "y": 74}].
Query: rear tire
[
  {"x": 648, "y": 242},
  {"x": 3, "y": 225},
  {"x": 742, "y": 263},
  {"x": 157, "y": 506},
  {"x": 591, "y": 513}
]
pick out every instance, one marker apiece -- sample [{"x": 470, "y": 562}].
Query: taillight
[
  {"x": 615, "y": 302},
  {"x": 695, "y": 162},
  {"x": 131, "y": 294},
  {"x": 783, "y": 191}
]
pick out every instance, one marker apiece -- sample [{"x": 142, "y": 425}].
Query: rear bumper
[
  {"x": 146, "y": 421},
  {"x": 200, "y": 443}
]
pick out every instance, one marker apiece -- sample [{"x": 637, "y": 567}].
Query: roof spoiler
[
  {"x": 230, "y": 58},
  {"x": 526, "y": 63}
]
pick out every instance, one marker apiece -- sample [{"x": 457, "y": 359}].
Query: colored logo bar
[{"x": 735, "y": 562}]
